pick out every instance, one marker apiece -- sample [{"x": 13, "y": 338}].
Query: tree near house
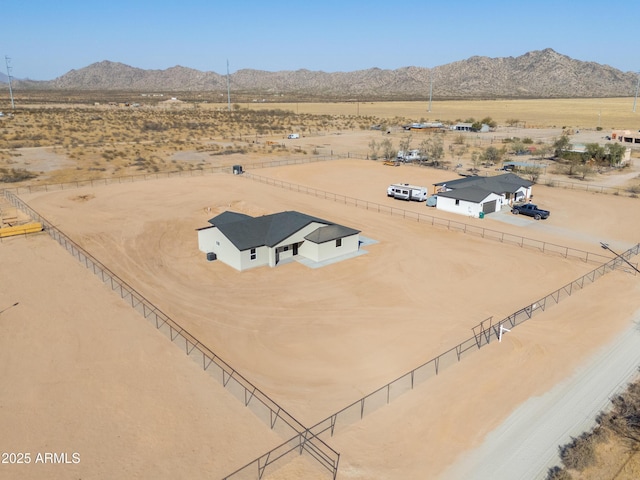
[
  {"x": 459, "y": 151},
  {"x": 518, "y": 147},
  {"x": 561, "y": 146},
  {"x": 595, "y": 152},
  {"x": 614, "y": 153},
  {"x": 374, "y": 148},
  {"x": 583, "y": 171},
  {"x": 433, "y": 147},
  {"x": 542, "y": 150},
  {"x": 405, "y": 144},
  {"x": 489, "y": 121},
  {"x": 492, "y": 154},
  {"x": 475, "y": 161},
  {"x": 388, "y": 152}
]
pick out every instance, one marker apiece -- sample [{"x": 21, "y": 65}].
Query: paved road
[{"x": 525, "y": 446}]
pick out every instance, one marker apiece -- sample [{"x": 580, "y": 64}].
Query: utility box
[
  {"x": 211, "y": 256},
  {"x": 237, "y": 169}
]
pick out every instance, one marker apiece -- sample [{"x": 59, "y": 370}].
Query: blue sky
[{"x": 45, "y": 39}]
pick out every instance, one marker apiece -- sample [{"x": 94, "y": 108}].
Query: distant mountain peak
[{"x": 536, "y": 74}]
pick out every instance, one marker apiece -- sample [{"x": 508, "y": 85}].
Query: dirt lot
[{"x": 315, "y": 340}]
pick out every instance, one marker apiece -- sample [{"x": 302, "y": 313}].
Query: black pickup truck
[{"x": 530, "y": 210}]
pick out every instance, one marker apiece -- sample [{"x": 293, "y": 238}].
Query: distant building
[
  {"x": 467, "y": 127},
  {"x": 626, "y": 136},
  {"x": 429, "y": 126}
]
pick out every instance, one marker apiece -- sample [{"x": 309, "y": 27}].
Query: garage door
[{"x": 489, "y": 207}]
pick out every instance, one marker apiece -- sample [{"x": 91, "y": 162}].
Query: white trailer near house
[
  {"x": 409, "y": 155},
  {"x": 405, "y": 191}
]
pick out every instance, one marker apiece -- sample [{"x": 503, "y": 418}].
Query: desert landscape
[{"x": 85, "y": 375}]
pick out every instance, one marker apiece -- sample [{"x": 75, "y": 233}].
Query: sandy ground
[
  {"x": 83, "y": 373},
  {"x": 315, "y": 340}
]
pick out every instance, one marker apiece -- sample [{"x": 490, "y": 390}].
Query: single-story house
[
  {"x": 469, "y": 201},
  {"x": 430, "y": 126},
  {"x": 244, "y": 242},
  {"x": 468, "y": 127},
  {"x": 474, "y": 195}
]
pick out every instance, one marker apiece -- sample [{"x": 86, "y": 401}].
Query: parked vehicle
[
  {"x": 293, "y": 136},
  {"x": 404, "y": 191},
  {"x": 530, "y": 210}
]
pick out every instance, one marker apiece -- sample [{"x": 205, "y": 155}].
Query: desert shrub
[
  {"x": 624, "y": 417},
  {"x": 558, "y": 473},
  {"x": 458, "y": 140},
  {"x": 15, "y": 175},
  {"x": 580, "y": 452}
]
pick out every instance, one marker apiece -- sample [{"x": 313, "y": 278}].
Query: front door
[{"x": 295, "y": 249}]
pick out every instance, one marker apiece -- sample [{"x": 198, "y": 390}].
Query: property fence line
[
  {"x": 587, "y": 187},
  {"x": 483, "y": 334},
  {"x": 503, "y": 237},
  {"x": 54, "y": 187},
  {"x": 272, "y": 414},
  {"x": 280, "y": 455}
]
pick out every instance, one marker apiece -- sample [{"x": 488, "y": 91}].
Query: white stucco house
[
  {"x": 474, "y": 195},
  {"x": 244, "y": 242}
]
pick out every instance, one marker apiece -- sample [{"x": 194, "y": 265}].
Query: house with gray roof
[
  {"x": 477, "y": 195},
  {"x": 244, "y": 242}
]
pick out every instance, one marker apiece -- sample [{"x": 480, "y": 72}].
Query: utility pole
[
  {"x": 13, "y": 106},
  {"x": 430, "y": 89},
  {"x": 228, "y": 88},
  {"x": 606, "y": 247},
  {"x": 635, "y": 99}
]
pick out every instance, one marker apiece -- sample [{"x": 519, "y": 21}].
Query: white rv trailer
[
  {"x": 404, "y": 191},
  {"x": 409, "y": 156}
]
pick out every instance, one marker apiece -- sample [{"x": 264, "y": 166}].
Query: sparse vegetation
[
  {"x": 620, "y": 425},
  {"x": 15, "y": 175}
]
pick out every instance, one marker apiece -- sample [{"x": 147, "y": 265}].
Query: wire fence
[
  {"x": 483, "y": 334},
  {"x": 453, "y": 225},
  {"x": 301, "y": 440},
  {"x": 198, "y": 172},
  {"x": 629, "y": 192}
]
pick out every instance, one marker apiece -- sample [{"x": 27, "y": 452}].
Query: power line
[
  {"x": 635, "y": 99},
  {"x": 228, "y": 88},
  {"x": 13, "y": 106}
]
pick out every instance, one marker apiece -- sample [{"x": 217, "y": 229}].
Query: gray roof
[
  {"x": 506, "y": 183},
  {"x": 329, "y": 233},
  {"x": 469, "y": 194},
  {"x": 228, "y": 217},
  {"x": 247, "y": 232}
]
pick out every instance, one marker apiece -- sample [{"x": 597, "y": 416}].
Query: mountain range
[{"x": 536, "y": 74}]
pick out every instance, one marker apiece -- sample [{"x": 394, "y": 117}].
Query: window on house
[
  {"x": 338, "y": 242},
  {"x": 457, "y": 202},
  {"x": 253, "y": 254}
]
